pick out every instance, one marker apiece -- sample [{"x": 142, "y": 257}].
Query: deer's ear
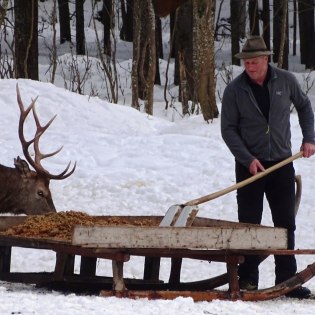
[{"x": 22, "y": 166}]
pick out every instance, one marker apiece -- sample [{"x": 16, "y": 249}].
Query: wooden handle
[{"x": 245, "y": 182}]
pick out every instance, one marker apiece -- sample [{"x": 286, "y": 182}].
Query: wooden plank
[
  {"x": 88, "y": 266},
  {"x": 152, "y": 268},
  {"x": 177, "y": 237},
  {"x": 26, "y": 277},
  {"x": 8, "y": 221},
  {"x": 5, "y": 258},
  {"x": 64, "y": 265}
]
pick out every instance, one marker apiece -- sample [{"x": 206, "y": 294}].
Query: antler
[{"x": 36, "y": 164}]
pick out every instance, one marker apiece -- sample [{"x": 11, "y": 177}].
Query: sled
[
  {"x": 179, "y": 235},
  {"x": 206, "y": 239}
]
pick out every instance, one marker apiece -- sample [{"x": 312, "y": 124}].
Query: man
[{"x": 255, "y": 124}]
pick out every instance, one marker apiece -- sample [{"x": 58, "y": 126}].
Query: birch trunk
[{"x": 203, "y": 56}]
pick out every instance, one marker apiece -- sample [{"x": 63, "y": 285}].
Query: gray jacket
[{"x": 245, "y": 129}]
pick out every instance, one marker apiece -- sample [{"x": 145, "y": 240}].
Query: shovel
[{"x": 184, "y": 214}]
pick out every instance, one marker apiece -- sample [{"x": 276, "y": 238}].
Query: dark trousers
[{"x": 279, "y": 189}]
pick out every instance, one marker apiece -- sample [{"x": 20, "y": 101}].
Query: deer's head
[{"x": 34, "y": 195}]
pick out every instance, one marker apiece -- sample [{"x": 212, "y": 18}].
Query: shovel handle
[{"x": 245, "y": 182}]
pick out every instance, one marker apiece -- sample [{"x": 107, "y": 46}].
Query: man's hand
[
  {"x": 308, "y": 149},
  {"x": 255, "y": 167}
]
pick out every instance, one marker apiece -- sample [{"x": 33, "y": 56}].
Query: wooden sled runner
[{"x": 206, "y": 239}]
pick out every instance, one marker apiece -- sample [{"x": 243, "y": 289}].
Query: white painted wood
[{"x": 259, "y": 237}]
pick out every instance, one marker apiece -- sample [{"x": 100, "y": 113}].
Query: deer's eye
[{"x": 40, "y": 193}]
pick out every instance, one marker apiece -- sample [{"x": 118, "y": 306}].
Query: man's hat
[{"x": 254, "y": 47}]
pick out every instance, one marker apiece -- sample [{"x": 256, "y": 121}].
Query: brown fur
[{"x": 24, "y": 191}]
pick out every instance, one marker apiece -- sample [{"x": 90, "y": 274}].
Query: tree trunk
[
  {"x": 79, "y": 26},
  {"x": 294, "y": 27},
  {"x": 204, "y": 15},
  {"x": 107, "y": 17},
  {"x": 3, "y": 11},
  {"x": 280, "y": 23},
  {"x": 150, "y": 53},
  {"x": 126, "y": 32},
  {"x": 266, "y": 22},
  {"x": 136, "y": 53},
  {"x": 253, "y": 17},
  {"x": 64, "y": 21},
  {"x": 237, "y": 26},
  {"x": 183, "y": 88},
  {"x": 184, "y": 47},
  {"x": 53, "y": 56},
  {"x": 283, "y": 33},
  {"x": 307, "y": 33},
  {"x": 159, "y": 49},
  {"x": 172, "y": 34},
  {"x": 26, "y": 39},
  {"x": 144, "y": 55}
]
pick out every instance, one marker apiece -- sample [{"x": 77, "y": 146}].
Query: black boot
[
  {"x": 248, "y": 285},
  {"x": 300, "y": 293}
]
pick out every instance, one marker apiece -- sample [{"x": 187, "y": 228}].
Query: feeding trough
[{"x": 118, "y": 238}]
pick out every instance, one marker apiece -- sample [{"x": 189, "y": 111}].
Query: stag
[{"x": 23, "y": 190}]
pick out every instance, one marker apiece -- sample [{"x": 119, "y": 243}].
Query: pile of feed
[{"x": 60, "y": 225}]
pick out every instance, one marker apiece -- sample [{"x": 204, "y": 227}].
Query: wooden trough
[{"x": 206, "y": 239}]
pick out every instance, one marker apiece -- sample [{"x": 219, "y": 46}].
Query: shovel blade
[
  {"x": 187, "y": 216},
  {"x": 172, "y": 214},
  {"x": 179, "y": 215}
]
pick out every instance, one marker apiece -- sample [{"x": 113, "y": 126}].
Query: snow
[{"x": 129, "y": 163}]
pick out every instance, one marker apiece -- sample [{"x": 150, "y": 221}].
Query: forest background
[
  {"x": 130, "y": 163},
  {"x": 195, "y": 32}
]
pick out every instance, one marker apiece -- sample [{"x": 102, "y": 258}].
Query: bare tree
[
  {"x": 294, "y": 39},
  {"x": 253, "y": 17},
  {"x": 105, "y": 16},
  {"x": 283, "y": 32},
  {"x": 266, "y": 22},
  {"x": 152, "y": 63},
  {"x": 307, "y": 33},
  {"x": 53, "y": 56},
  {"x": 144, "y": 57},
  {"x": 183, "y": 43},
  {"x": 3, "y": 11},
  {"x": 203, "y": 15},
  {"x": 136, "y": 53},
  {"x": 183, "y": 86},
  {"x": 108, "y": 62},
  {"x": 237, "y": 27},
  {"x": 79, "y": 26},
  {"x": 64, "y": 21},
  {"x": 159, "y": 49},
  {"x": 126, "y": 32},
  {"x": 108, "y": 24},
  {"x": 280, "y": 33},
  {"x": 26, "y": 39}
]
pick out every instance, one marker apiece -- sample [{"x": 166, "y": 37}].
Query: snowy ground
[{"x": 133, "y": 164}]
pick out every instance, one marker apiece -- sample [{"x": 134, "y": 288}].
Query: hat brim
[{"x": 253, "y": 54}]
